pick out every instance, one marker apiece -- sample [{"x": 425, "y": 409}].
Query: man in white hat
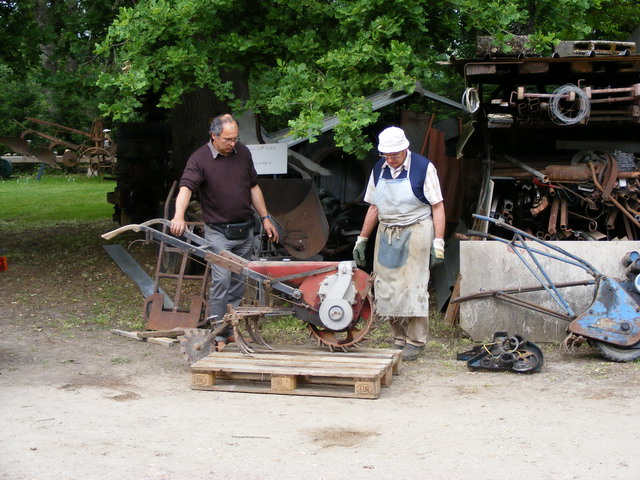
[{"x": 406, "y": 204}]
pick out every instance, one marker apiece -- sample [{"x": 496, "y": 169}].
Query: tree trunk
[{"x": 190, "y": 120}]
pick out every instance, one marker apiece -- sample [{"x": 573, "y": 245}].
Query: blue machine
[{"x": 611, "y": 324}]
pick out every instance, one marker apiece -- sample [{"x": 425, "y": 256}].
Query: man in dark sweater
[{"x": 223, "y": 174}]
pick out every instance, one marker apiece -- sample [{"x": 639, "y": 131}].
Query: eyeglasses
[
  {"x": 390, "y": 156},
  {"x": 229, "y": 141}
]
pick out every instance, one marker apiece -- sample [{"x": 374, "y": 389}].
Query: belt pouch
[{"x": 234, "y": 231}]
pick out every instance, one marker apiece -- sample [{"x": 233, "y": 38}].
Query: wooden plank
[
  {"x": 164, "y": 341},
  {"x": 279, "y": 358},
  {"x": 379, "y": 354},
  {"x": 310, "y": 390},
  {"x": 298, "y": 370},
  {"x": 124, "y": 333},
  {"x": 167, "y": 342},
  {"x": 218, "y": 362},
  {"x": 452, "y": 315},
  {"x": 176, "y": 332}
]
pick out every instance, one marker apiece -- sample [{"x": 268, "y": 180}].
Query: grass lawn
[{"x": 25, "y": 201}]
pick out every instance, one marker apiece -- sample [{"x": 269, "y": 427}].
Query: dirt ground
[{"x": 78, "y": 402}]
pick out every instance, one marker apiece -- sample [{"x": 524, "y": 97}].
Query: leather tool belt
[{"x": 233, "y": 231}]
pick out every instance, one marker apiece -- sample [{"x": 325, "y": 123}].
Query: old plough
[
  {"x": 331, "y": 297},
  {"x": 95, "y": 152}
]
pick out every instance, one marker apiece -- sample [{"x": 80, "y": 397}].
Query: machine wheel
[
  {"x": 98, "y": 159},
  {"x": 196, "y": 344},
  {"x": 616, "y": 353},
  {"x": 348, "y": 337}
]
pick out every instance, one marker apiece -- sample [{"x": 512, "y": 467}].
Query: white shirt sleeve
[
  {"x": 368, "y": 194},
  {"x": 432, "y": 191}
]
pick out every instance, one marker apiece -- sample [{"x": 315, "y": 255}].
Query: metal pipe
[
  {"x": 544, "y": 203},
  {"x": 539, "y": 175},
  {"x": 563, "y": 214},
  {"x": 553, "y": 216}
]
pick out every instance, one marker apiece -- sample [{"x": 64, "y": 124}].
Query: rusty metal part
[
  {"x": 45, "y": 156},
  {"x": 572, "y": 342},
  {"x": 609, "y": 197},
  {"x": 610, "y": 177},
  {"x": 21, "y": 146},
  {"x": 537, "y": 174},
  {"x": 156, "y": 317},
  {"x": 349, "y": 337},
  {"x": 18, "y": 145},
  {"x": 95, "y": 156},
  {"x": 544, "y": 203},
  {"x": 506, "y": 295},
  {"x": 54, "y": 141},
  {"x": 70, "y": 158},
  {"x": 553, "y": 216},
  {"x": 96, "y": 135},
  {"x": 296, "y": 206},
  {"x": 171, "y": 266},
  {"x": 628, "y": 229},
  {"x": 253, "y": 325},
  {"x": 568, "y": 173},
  {"x": 98, "y": 159},
  {"x": 563, "y": 215},
  {"x": 196, "y": 344}
]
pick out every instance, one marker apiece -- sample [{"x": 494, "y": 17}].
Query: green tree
[
  {"x": 297, "y": 59},
  {"x": 301, "y": 60},
  {"x": 47, "y": 63}
]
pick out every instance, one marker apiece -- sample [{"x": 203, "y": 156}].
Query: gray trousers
[
  {"x": 226, "y": 287},
  {"x": 412, "y": 330}
]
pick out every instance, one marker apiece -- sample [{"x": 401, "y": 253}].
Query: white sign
[{"x": 269, "y": 158}]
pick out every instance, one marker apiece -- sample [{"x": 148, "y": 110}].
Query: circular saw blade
[{"x": 195, "y": 344}]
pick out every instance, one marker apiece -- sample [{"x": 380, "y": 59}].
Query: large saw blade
[{"x": 196, "y": 344}]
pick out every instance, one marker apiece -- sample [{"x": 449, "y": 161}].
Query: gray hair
[{"x": 218, "y": 123}]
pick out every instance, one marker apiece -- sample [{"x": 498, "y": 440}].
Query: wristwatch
[{"x": 266, "y": 216}]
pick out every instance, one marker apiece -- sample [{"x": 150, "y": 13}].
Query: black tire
[{"x": 616, "y": 353}]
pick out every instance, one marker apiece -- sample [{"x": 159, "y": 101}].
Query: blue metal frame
[{"x": 518, "y": 243}]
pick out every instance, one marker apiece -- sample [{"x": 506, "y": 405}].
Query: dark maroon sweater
[{"x": 223, "y": 183}]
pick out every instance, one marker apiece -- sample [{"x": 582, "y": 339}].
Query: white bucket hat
[{"x": 392, "y": 140}]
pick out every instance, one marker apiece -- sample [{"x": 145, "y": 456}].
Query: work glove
[
  {"x": 437, "y": 252},
  {"x": 359, "y": 251}
]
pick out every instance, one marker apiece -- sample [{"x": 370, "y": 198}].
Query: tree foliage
[
  {"x": 549, "y": 21},
  {"x": 47, "y": 63},
  {"x": 306, "y": 59},
  {"x": 292, "y": 61}
]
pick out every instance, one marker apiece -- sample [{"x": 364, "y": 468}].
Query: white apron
[{"x": 403, "y": 244}]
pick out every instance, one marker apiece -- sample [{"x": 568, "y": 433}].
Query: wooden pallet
[
  {"x": 359, "y": 373},
  {"x": 159, "y": 337}
]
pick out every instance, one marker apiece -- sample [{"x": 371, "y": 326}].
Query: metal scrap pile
[{"x": 595, "y": 197}]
